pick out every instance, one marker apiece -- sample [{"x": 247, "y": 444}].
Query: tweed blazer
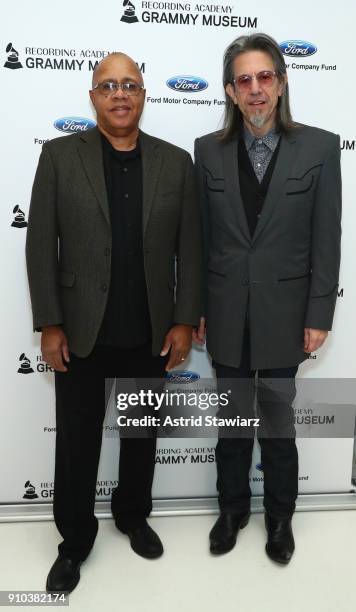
[{"x": 68, "y": 247}]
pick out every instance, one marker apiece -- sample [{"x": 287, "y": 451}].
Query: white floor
[{"x": 320, "y": 578}]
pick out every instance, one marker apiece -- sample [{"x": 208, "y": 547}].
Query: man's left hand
[
  {"x": 179, "y": 342},
  {"x": 313, "y": 339}
]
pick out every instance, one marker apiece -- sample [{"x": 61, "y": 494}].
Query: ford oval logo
[
  {"x": 187, "y": 84},
  {"x": 259, "y": 467},
  {"x": 297, "y": 48},
  {"x": 71, "y": 125},
  {"x": 182, "y": 377}
]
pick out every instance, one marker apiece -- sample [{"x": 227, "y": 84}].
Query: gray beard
[{"x": 258, "y": 120}]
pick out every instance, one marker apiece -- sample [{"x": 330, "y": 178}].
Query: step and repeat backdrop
[{"x": 47, "y": 54}]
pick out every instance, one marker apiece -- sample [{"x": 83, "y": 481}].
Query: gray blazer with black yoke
[{"x": 286, "y": 275}]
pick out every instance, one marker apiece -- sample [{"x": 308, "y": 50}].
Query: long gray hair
[{"x": 254, "y": 42}]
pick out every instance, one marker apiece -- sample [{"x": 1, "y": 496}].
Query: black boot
[
  {"x": 280, "y": 543},
  {"x": 224, "y": 533}
]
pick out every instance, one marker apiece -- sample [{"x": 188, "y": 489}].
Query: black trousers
[
  {"x": 80, "y": 411},
  {"x": 275, "y": 391}
]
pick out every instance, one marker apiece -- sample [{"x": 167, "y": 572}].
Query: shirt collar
[
  {"x": 270, "y": 139},
  {"x": 121, "y": 155}
]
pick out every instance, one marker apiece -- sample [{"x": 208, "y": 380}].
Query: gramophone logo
[
  {"x": 129, "y": 15},
  {"x": 30, "y": 492},
  {"x": 12, "y": 61},
  {"x": 25, "y": 366},
  {"x": 19, "y": 220}
]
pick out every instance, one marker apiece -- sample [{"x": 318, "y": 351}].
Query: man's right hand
[
  {"x": 199, "y": 332},
  {"x": 54, "y": 347}
]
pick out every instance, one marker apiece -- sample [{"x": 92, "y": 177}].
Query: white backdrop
[{"x": 48, "y": 51}]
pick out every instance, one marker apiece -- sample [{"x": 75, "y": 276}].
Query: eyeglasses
[
  {"x": 108, "y": 88},
  {"x": 265, "y": 78}
]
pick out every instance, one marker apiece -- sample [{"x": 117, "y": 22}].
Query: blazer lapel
[
  {"x": 232, "y": 186},
  {"x": 151, "y": 166},
  {"x": 91, "y": 154},
  {"x": 282, "y": 170}
]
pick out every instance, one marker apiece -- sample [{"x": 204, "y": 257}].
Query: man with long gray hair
[{"x": 270, "y": 192}]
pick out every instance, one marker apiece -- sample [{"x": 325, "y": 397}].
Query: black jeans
[
  {"x": 80, "y": 411},
  {"x": 276, "y": 436}
]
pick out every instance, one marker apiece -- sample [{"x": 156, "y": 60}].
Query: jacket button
[
  {"x": 104, "y": 287},
  {"x": 245, "y": 281}
]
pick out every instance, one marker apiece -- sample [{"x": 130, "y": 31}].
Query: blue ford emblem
[
  {"x": 297, "y": 48},
  {"x": 182, "y": 377},
  {"x": 187, "y": 84},
  {"x": 71, "y": 125}
]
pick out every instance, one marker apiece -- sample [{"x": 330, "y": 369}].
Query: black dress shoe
[
  {"x": 224, "y": 533},
  {"x": 280, "y": 543},
  {"x": 144, "y": 541},
  {"x": 64, "y": 575}
]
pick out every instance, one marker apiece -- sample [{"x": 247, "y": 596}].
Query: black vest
[{"x": 253, "y": 193}]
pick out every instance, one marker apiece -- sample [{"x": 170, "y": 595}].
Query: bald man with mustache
[{"x": 113, "y": 259}]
